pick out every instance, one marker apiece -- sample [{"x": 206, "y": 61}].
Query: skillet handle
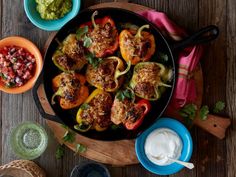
[
  {"x": 202, "y": 36},
  {"x": 42, "y": 103}
]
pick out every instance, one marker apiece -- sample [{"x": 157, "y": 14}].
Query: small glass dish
[{"x": 28, "y": 140}]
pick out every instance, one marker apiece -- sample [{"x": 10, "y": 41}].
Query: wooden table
[{"x": 212, "y": 157}]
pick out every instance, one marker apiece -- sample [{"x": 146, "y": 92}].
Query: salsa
[
  {"x": 17, "y": 66},
  {"x": 53, "y": 9}
]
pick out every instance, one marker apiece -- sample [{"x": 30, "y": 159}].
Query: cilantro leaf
[
  {"x": 204, "y": 112},
  {"x": 60, "y": 151},
  {"x": 94, "y": 61},
  {"x": 120, "y": 96},
  {"x": 87, "y": 42},
  {"x": 188, "y": 111},
  {"x": 81, "y": 31},
  {"x": 115, "y": 127},
  {"x": 84, "y": 106},
  {"x": 219, "y": 106},
  {"x": 127, "y": 93},
  {"x": 80, "y": 148},
  {"x": 69, "y": 137},
  {"x": 163, "y": 57}
]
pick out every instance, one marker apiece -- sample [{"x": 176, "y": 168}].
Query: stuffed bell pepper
[
  {"x": 107, "y": 75},
  {"x": 125, "y": 111},
  {"x": 102, "y": 37},
  {"x": 149, "y": 79},
  {"x": 70, "y": 89},
  {"x": 95, "y": 112},
  {"x": 70, "y": 55},
  {"x": 137, "y": 46}
]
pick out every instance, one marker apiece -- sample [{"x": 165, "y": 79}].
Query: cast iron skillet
[{"x": 120, "y": 16}]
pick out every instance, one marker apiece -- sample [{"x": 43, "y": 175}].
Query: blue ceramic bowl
[
  {"x": 49, "y": 25},
  {"x": 186, "y": 151}
]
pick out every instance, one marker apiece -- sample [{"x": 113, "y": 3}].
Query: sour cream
[{"x": 163, "y": 143}]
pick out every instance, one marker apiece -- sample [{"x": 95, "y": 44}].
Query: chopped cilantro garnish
[
  {"x": 219, "y": 106},
  {"x": 204, "y": 112},
  {"x": 60, "y": 151},
  {"x": 69, "y": 137}
]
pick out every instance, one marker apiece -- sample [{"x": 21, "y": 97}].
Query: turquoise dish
[
  {"x": 186, "y": 154},
  {"x": 49, "y": 25}
]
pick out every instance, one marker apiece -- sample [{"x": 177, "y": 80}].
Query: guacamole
[{"x": 53, "y": 9}]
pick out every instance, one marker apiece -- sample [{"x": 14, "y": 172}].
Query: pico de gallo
[{"x": 17, "y": 66}]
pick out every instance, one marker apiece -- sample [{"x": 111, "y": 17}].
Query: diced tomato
[
  {"x": 27, "y": 75},
  {"x": 16, "y": 66}
]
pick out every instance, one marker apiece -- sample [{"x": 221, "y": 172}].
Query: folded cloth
[{"x": 188, "y": 59}]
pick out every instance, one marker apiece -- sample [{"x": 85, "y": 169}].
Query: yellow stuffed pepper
[
  {"x": 95, "y": 112},
  {"x": 108, "y": 74},
  {"x": 149, "y": 80},
  {"x": 137, "y": 47}
]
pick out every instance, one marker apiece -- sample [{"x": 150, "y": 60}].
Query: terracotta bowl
[{"x": 30, "y": 47}]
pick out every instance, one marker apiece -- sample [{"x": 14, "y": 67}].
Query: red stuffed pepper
[
  {"x": 124, "y": 110},
  {"x": 102, "y": 38}
]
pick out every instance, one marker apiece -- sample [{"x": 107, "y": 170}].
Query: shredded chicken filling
[
  {"x": 125, "y": 111},
  {"x": 103, "y": 38},
  {"x": 147, "y": 78},
  {"x": 136, "y": 46},
  {"x": 98, "y": 110},
  {"x": 69, "y": 86},
  {"x": 74, "y": 53},
  {"x": 104, "y": 74}
]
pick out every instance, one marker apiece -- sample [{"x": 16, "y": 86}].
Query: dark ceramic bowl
[{"x": 90, "y": 169}]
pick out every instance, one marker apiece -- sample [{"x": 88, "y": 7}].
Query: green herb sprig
[
  {"x": 87, "y": 42},
  {"x": 204, "y": 111},
  {"x": 80, "y": 148},
  {"x": 84, "y": 106},
  {"x": 125, "y": 94},
  {"x": 188, "y": 112},
  {"x": 219, "y": 106},
  {"x": 81, "y": 34},
  {"x": 60, "y": 151},
  {"x": 94, "y": 61},
  {"x": 163, "y": 57},
  {"x": 69, "y": 137}
]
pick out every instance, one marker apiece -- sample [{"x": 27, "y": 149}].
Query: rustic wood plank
[
  {"x": 178, "y": 11},
  {"x": 231, "y": 86},
  {"x": 160, "y": 5},
  {"x": 184, "y": 13},
  {"x": 211, "y": 157},
  {"x": 20, "y": 108},
  {"x": 87, "y": 3}
]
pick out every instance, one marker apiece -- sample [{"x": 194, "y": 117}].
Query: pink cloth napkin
[{"x": 185, "y": 90}]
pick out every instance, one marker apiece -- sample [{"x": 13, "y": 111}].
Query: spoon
[{"x": 188, "y": 165}]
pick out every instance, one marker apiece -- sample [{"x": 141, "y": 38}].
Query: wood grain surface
[{"x": 212, "y": 157}]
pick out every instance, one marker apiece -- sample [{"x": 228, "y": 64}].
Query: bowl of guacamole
[{"x": 51, "y": 15}]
